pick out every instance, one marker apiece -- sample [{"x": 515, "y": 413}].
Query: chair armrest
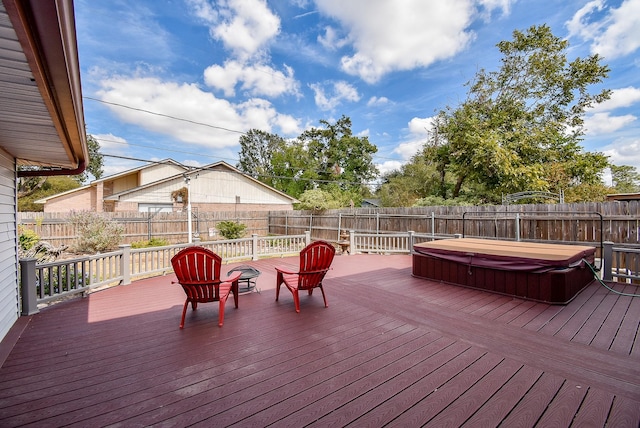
[{"x": 285, "y": 270}]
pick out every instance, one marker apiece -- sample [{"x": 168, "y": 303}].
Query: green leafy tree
[
  {"x": 31, "y": 189},
  {"x": 523, "y": 123},
  {"x": 339, "y": 156},
  {"x": 329, "y": 157},
  {"x": 96, "y": 160},
  {"x": 257, "y": 151},
  {"x": 625, "y": 179}
]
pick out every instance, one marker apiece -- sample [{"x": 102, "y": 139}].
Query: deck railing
[
  {"x": 45, "y": 282},
  {"x": 42, "y": 283}
]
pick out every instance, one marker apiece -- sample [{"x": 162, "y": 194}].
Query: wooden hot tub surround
[{"x": 550, "y": 273}]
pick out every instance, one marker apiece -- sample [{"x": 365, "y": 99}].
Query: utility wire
[{"x": 167, "y": 116}]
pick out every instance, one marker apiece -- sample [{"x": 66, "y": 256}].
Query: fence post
[
  {"x": 307, "y": 237},
  {"x": 28, "y": 284},
  {"x": 254, "y": 246},
  {"x": 125, "y": 264},
  {"x": 607, "y": 261},
  {"x": 339, "y": 225},
  {"x": 518, "y": 227},
  {"x": 411, "y": 240}
]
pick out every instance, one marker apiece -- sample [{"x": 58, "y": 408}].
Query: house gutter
[{"x": 51, "y": 172}]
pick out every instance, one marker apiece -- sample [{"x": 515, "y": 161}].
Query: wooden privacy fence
[
  {"x": 591, "y": 223},
  {"x": 578, "y": 223},
  {"x": 56, "y": 229}
]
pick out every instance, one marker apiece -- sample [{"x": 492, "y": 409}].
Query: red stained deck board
[{"x": 377, "y": 354}]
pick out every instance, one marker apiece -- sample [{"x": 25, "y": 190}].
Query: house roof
[
  {"x": 215, "y": 165},
  {"x": 42, "y": 121},
  {"x": 138, "y": 169},
  {"x": 624, "y": 197}
]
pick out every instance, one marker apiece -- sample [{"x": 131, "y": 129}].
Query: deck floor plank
[{"x": 390, "y": 349}]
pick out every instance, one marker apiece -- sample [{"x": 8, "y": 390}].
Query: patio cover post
[{"x": 28, "y": 287}]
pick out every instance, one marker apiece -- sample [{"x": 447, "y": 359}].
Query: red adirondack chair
[
  {"x": 315, "y": 261},
  {"x": 198, "y": 272}
]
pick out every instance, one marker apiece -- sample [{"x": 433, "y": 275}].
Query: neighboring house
[
  {"x": 371, "y": 203},
  {"x": 624, "y": 197},
  {"x": 151, "y": 188},
  {"x": 41, "y": 119}
]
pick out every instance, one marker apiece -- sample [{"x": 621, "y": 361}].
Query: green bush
[
  {"x": 95, "y": 233},
  {"x": 153, "y": 242},
  {"x": 28, "y": 238},
  {"x": 231, "y": 229}
]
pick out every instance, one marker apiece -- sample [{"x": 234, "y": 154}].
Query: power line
[{"x": 166, "y": 115}]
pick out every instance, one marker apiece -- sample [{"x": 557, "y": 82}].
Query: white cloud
[
  {"x": 617, "y": 35},
  {"x": 390, "y": 36},
  {"x": 421, "y": 126},
  {"x": 603, "y": 123},
  {"x": 330, "y": 98},
  {"x": 624, "y": 152},
  {"x": 579, "y": 25},
  {"x": 389, "y": 166},
  {"x": 111, "y": 143},
  {"x": 243, "y": 26},
  {"x": 620, "y": 98},
  {"x": 377, "y": 101},
  {"x": 255, "y": 80},
  {"x": 330, "y": 40},
  {"x": 206, "y": 120}
]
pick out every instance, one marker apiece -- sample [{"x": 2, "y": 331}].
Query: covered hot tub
[{"x": 550, "y": 273}]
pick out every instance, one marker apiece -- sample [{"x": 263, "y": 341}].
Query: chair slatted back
[
  {"x": 198, "y": 270},
  {"x": 315, "y": 261}
]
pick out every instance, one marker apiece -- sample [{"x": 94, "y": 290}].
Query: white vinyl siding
[{"x": 9, "y": 307}]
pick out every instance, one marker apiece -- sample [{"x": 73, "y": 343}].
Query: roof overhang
[{"x": 42, "y": 120}]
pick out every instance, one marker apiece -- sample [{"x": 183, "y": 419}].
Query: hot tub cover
[{"x": 508, "y": 255}]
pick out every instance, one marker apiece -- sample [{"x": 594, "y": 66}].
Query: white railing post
[
  {"x": 411, "y": 241},
  {"x": 517, "y": 226},
  {"x": 307, "y": 237},
  {"x": 352, "y": 242},
  {"x": 125, "y": 264},
  {"x": 254, "y": 245}
]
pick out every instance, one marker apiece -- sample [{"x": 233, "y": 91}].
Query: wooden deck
[{"x": 391, "y": 350}]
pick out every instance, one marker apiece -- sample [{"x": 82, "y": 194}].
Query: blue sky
[{"x": 183, "y": 79}]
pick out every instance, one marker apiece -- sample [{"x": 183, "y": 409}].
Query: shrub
[
  {"x": 95, "y": 233},
  {"x": 28, "y": 238},
  {"x": 231, "y": 229},
  {"x": 153, "y": 242}
]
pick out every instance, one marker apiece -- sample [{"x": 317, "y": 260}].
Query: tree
[
  {"x": 625, "y": 179},
  {"x": 323, "y": 158},
  {"x": 522, "y": 124},
  {"x": 257, "y": 149},
  {"x": 96, "y": 161},
  {"x": 44, "y": 186},
  {"x": 339, "y": 156}
]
